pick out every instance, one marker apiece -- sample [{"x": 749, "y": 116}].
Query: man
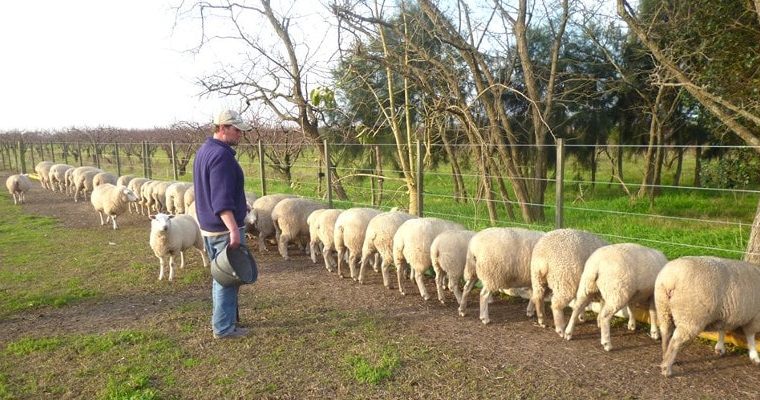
[{"x": 221, "y": 208}]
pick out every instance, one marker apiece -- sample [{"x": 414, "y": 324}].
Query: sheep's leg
[
  {"x": 353, "y": 259},
  {"x": 485, "y": 299},
  {"x": 581, "y": 302},
  {"x": 204, "y": 257},
  {"x": 171, "y": 267},
  {"x": 313, "y": 250},
  {"x": 15, "y": 200},
  {"x": 631, "y": 318},
  {"x": 439, "y": 282},
  {"x": 400, "y": 267},
  {"x": 680, "y": 336},
  {"x": 363, "y": 267},
  {"x": 751, "y": 346},
  {"x": 421, "y": 286},
  {"x": 454, "y": 286},
  {"x": 341, "y": 260},
  {"x": 558, "y": 311},
  {"x": 262, "y": 243},
  {"x": 465, "y": 292},
  {"x": 282, "y": 245},
  {"x": 720, "y": 347},
  {"x": 538, "y": 301},
  {"x": 385, "y": 269},
  {"x": 326, "y": 255},
  {"x": 376, "y": 264},
  {"x": 654, "y": 333},
  {"x": 161, "y": 268},
  {"x": 181, "y": 260},
  {"x": 100, "y": 214},
  {"x": 605, "y": 315},
  {"x": 113, "y": 219}
]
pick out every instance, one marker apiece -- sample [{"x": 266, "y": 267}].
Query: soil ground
[{"x": 512, "y": 353}]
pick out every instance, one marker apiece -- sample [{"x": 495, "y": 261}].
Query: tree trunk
[
  {"x": 679, "y": 167},
  {"x": 698, "y": 166},
  {"x": 460, "y": 191},
  {"x": 377, "y": 198},
  {"x": 753, "y": 246}
]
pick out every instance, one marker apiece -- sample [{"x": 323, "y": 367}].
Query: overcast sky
[{"x": 89, "y": 63}]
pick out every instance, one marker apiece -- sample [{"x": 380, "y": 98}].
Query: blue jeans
[{"x": 224, "y": 299}]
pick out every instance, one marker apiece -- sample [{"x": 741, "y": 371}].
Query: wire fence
[{"x": 702, "y": 201}]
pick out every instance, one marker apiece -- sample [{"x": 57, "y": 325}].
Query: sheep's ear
[
  {"x": 152, "y": 216},
  {"x": 171, "y": 216}
]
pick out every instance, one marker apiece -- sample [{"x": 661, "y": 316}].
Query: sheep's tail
[
  {"x": 588, "y": 281},
  {"x": 470, "y": 272}
]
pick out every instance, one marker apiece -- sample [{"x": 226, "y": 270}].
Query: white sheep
[
  {"x": 622, "y": 274},
  {"x": 557, "y": 264},
  {"x": 325, "y": 224},
  {"x": 135, "y": 185},
  {"x": 124, "y": 180},
  {"x": 349, "y": 231},
  {"x": 411, "y": 245},
  {"x": 57, "y": 177},
  {"x": 289, "y": 219},
  {"x": 103, "y": 177},
  {"x": 706, "y": 293},
  {"x": 69, "y": 181},
  {"x": 83, "y": 182},
  {"x": 42, "y": 169},
  {"x": 378, "y": 240},
  {"x": 158, "y": 195},
  {"x": 189, "y": 197},
  {"x": 171, "y": 235},
  {"x": 112, "y": 201},
  {"x": 315, "y": 246},
  {"x": 500, "y": 258},
  {"x": 260, "y": 217},
  {"x": 17, "y": 186},
  {"x": 448, "y": 254},
  {"x": 175, "y": 197}
]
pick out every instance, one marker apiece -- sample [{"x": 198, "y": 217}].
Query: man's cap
[{"x": 230, "y": 117}]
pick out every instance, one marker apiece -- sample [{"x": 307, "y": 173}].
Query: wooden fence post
[
  {"x": 261, "y": 170},
  {"x": 81, "y": 156},
  {"x": 419, "y": 179},
  {"x": 118, "y": 160},
  {"x": 174, "y": 160},
  {"x": 559, "y": 184},
  {"x": 22, "y": 157},
  {"x": 52, "y": 152},
  {"x": 328, "y": 170}
]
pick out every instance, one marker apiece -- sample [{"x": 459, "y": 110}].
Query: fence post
[
  {"x": 145, "y": 160},
  {"x": 174, "y": 160},
  {"x": 65, "y": 152},
  {"x": 96, "y": 149},
  {"x": 52, "y": 152},
  {"x": 328, "y": 174},
  {"x": 559, "y": 183},
  {"x": 21, "y": 157},
  {"x": 419, "y": 179},
  {"x": 118, "y": 160},
  {"x": 261, "y": 170},
  {"x": 33, "y": 163},
  {"x": 81, "y": 156}
]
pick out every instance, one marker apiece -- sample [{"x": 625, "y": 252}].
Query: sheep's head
[
  {"x": 160, "y": 222},
  {"x": 128, "y": 194}
]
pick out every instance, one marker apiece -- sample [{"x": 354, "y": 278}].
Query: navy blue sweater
[{"x": 218, "y": 181}]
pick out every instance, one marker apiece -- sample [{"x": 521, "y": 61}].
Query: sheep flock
[{"x": 565, "y": 267}]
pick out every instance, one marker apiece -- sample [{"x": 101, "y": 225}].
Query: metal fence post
[
  {"x": 174, "y": 160},
  {"x": 118, "y": 161},
  {"x": 559, "y": 183},
  {"x": 328, "y": 171},
  {"x": 419, "y": 179},
  {"x": 261, "y": 170}
]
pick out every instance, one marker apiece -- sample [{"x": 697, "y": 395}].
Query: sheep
[
  {"x": 289, "y": 219},
  {"x": 175, "y": 197},
  {"x": 112, "y": 201},
  {"x": 158, "y": 195},
  {"x": 557, "y": 263},
  {"x": 171, "y": 235},
  {"x": 325, "y": 224},
  {"x": 57, "y": 176},
  {"x": 42, "y": 169},
  {"x": 411, "y": 245},
  {"x": 314, "y": 243},
  {"x": 448, "y": 254},
  {"x": 706, "y": 293},
  {"x": 260, "y": 221},
  {"x": 349, "y": 231},
  {"x": 500, "y": 257},
  {"x": 103, "y": 177},
  {"x": 17, "y": 186},
  {"x": 69, "y": 181},
  {"x": 135, "y": 185},
  {"x": 124, "y": 180},
  {"x": 379, "y": 240},
  {"x": 189, "y": 197},
  {"x": 83, "y": 182},
  {"x": 622, "y": 273}
]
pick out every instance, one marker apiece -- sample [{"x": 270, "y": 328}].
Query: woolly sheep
[
  {"x": 83, "y": 183},
  {"x": 103, "y": 177},
  {"x": 411, "y": 245},
  {"x": 557, "y": 263},
  {"x": 69, "y": 181},
  {"x": 349, "y": 231},
  {"x": 189, "y": 197},
  {"x": 146, "y": 198},
  {"x": 42, "y": 169},
  {"x": 124, "y": 180},
  {"x": 171, "y": 235},
  {"x": 500, "y": 258},
  {"x": 112, "y": 201},
  {"x": 706, "y": 293},
  {"x": 17, "y": 186},
  {"x": 158, "y": 195},
  {"x": 314, "y": 243},
  {"x": 379, "y": 240},
  {"x": 448, "y": 254},
  {"x": 57, "y": 177},
  {"x": 135, "y": 185},
  {"x": 175, "y": 197},
  {"x": 260, "y": 218},
  {"x": 289, "y": 219},
  {"x": 623, "y": 274},
  {"x": 325, "y": 224},
  {"x": 72, "y": 178}
]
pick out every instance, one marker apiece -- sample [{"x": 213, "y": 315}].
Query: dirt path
[{"x": 511, "y": 342}]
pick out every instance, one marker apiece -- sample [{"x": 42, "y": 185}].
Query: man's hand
[{"x": 229, "y": 221}]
